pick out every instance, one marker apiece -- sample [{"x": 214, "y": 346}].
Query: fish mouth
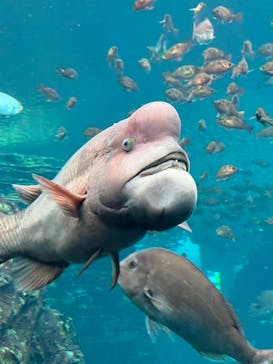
[{"x": 173, "y": 160}]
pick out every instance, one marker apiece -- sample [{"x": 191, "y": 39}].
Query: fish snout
[{"x": 162, "y": 200}]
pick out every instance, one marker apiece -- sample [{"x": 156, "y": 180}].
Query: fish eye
[
  {"x": 128, "y": 144},
  {"x": 132, "y": 264}
]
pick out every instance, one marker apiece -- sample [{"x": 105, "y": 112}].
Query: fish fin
[
  {"x": 30, "y": 274},
  {"x": 68, "y": 201},
  {"x": 185, "y": 226},
  {"x": 93, "y": 257},
  {"x": 159, "y": 302},
  {"x": 115, "y": 269},
  {"x": 28, "y": 193},
  {"x": 152, "y": 329}
]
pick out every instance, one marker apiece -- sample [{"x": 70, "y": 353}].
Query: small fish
[
  {"x": 200, "y": 92},
  {"x": 263, "y": 117},
  {"x": 61, "y": 133},
  {"x": 119, "y": 66},
  {"x": 266, "y": 50},
  {"x": 215, "y": 147},
  {"x": 49, "y": 93},
  {"x": 227, "y": 107},
  {"x": 234, "y": 89},
  {"x": 247, "y": 49},
  {"x": 71, "y": 102},
  {"x": 91, "y": 131},
  {"x": 170, "y": 80},
  {"x": 143, "y": 5},
  {"x": 112, "y": 55},
  {"x": 218, "y": 66},
  {"x": 201, "y": 78},
  {"x": 9, "y": 106},
  {"x": 233, "y": 122},
  {"x": 226, "y": 15},
  {"x": 201, "y": 124},
  {"x": 69, "y": 73},
  {"x": 174, "y": 293},
  {"x": 203, "y": 32},
  {"x": 213, "y": 54},
  {"x": 198, "y": 9},
  {"x": 265, "y": 133},
  {"x": 225, "y": 232},
  {"x": 185, "y": 72},
  {"x": 177, "y": 51},
  {"x": 240, "y": 69},
  {"x": 128, "y": 84},
  {"x": 267, "y": 68},
  {"x": 158, "y": 50},
  {"x": 175, "y": 95},
  {"x": 226, "y": 171},
  {"x": 145, "y": 64},
  {"x": 167, "y": 24}
]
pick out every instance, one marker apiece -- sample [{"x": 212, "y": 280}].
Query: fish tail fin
[
  {"x": 10, "y": 236},
  {"x": 262, "y": 357},
  {"x": 238, "y": 17}
]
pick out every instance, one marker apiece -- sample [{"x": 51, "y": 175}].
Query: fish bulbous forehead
[{"x": 154, "y": 120}]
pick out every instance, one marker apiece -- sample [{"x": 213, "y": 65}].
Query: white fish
[
  {"x": 203, "y": 32},
  {"x": 9, "y": 105}
]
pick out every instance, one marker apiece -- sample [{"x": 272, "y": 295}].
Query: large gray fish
[
  {"x": 176, "y": 294},
  {"x": 130, "y": 178}
]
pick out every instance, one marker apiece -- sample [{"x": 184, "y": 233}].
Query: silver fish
[
  {"x": 176, "y": 294},
  {"x": 203, "y": 32},
  {"x": 130, "y": 178}
]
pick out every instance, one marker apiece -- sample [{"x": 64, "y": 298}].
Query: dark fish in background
[
  {"x": 167, "y": 23},
  {"x": 128, "y": 84},
  {"x": 92, "y": 131},
  {"x": 225, "y": 15},
  {"x": 175, "y": 294},
  {"x": 71, "y": 102},
  {"x": 49, "y": 93},
  {"x": 61, "y": 133},
  {"x": 105, "y": 198},
  {"x": 69, "y": 73}
]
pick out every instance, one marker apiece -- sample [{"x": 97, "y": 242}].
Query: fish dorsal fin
[
  {"x": 68, "y": 201},
  {"x": 30, "y": 274},
  {"x": 28, "y": 193}
]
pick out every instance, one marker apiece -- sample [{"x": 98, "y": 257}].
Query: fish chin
[{"x": 162, "y": 196}]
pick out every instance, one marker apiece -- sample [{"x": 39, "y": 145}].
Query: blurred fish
[
  {"x": 170, "y": 80},
  {"x": 198, "y": 9},
  {"x": 202, "y": 78},
  {"x": 213, "y": 54},
  {"x": 177, "y": 51},
  {"x": 233, "y": 122},
  {"x": 262, "y": 308},
  {"x": 183, "y": 142},
  {"x": 240, "y": 69},
  {"x": 266, "y": 50},
  {"x": 247, "y": 49},
  {"x": 91, "y": 131},
  {"x": 200, "y": 92},
  {"x": 227, "y": 107},
  {"x": 69, "y": 73},
  {"x": 145, "y": 64},
  {"x": 219, "y": 66},
  {"x": 167, "y": 24},
  {"x": 263, "y": 117},
  {"x": 119, "y": 66},
  {"x": 49, "y": 93},
  {"x": 128, "y": 84},
  {"x": 226, "y": 171},
  {"x": 186, "y": 71},
  {"x": 157, "y": 51},
  {"x": 261, "y": 162},
  {"x": 225, "y": 232},
  {"x": 71, "y": 102},
  {"x": 61, "y": 133},
  {"x": 267, "y": 68},
  {"x": 203, "y": 32},
  {"x": 9, "y": 105},
  {"x": 215, "y": 147},
  {"x": 174, "y": 293},
  {"x": 112, "y": 55},
  {"x": 234, "y": 89},
  {"x": 265, "y": 133},
  {"x": 143, "y": 4},
  {"x": 201, "y": 124},
  {"x": 204, "y": 175},
  {"x": 175, "y": 95},
  {"x": 226, "y": 15}
]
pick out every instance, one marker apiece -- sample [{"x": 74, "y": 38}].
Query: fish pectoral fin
[
  {"x": 68, "y": 201},
  {"x": 115, "y": 268},
  {"x": 185, "y": 226},
  {"x": 93, "y": 257},
  {"x": 28, "y": 193},
  {"x": 30, "y": 274},
  {"x": 157, "y": 301}
]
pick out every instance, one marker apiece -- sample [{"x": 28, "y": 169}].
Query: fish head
[{"x": 144, "y": 175}]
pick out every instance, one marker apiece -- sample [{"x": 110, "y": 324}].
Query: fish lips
[{"x": 163, "y": 194}]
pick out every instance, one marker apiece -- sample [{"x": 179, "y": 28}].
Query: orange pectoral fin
[{"x": 68, "y": 201}]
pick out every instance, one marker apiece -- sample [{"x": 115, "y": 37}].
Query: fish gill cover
[{"x": 56, "y": 62}]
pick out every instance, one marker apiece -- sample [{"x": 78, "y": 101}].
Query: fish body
[
  {"x": 267, "y": 68},
  {"x": 49, "y": 93},
  {"x": 226, "y": 171},
  {"x": 174, "y": 293},
  {"x": 177, "y": 51},
  {"x": 203, "y": 32},
  {"x": 130, "y": 178},
  {"x": 175, "y": 95},
  {"x": 69, "y": 73},
  {"x": 225, "y": 15},
  {"x": 233, "y": 122},
  {"x": 143, "y": 5},
  {"x": 227, "y": 107},
  {"x": 167, "y": 23},
  {"x": 128, "y": 84},
  {"x": 9, "y": 105}
]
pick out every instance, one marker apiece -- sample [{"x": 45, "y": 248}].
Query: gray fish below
[
  {"x": 128, "y": 179},
  {"x": 176, "y": 294}
]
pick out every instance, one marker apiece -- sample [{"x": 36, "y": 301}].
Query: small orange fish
[
  {"x": 226, "y": 171},
  {"x": 71, "y": 102},
  {"x": 143, "y": 4}
]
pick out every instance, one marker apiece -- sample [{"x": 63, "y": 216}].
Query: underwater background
[{"x": 37, "y": 37}]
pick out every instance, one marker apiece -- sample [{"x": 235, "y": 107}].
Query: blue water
[{"x": 37, "y": 36}]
